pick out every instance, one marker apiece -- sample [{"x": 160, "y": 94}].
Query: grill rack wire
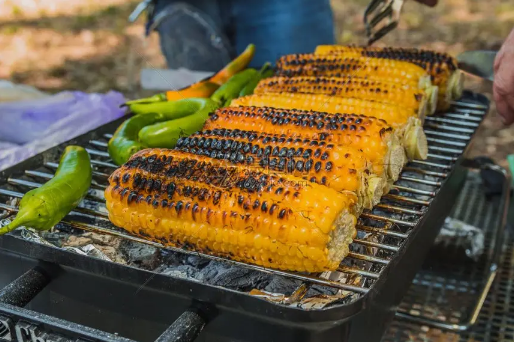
[
  {"x": 495, "y": 321},
  {"x": 448, "y": 293},
  {"x": 381, "y": 232}
]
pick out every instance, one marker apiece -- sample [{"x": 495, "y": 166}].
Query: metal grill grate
[
  {"x": 381, "y": 232},
  {"x": 449, "y": 292},
  {"x": 495, "y": 322}
]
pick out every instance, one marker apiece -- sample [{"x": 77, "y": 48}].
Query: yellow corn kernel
[
  {"x": 336, "y": 166},
  {"x": 340, "y": 66},
  {"x": 442, "y": 68},
  {"x": 193, "y": 201},
  {"x": 402, "y": 95},
  {"x": 371, "y": 135}
]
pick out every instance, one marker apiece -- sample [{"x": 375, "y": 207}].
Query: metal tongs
[
  {"x": 145, "y": 5},
  {"x": 381, "y": 17}
]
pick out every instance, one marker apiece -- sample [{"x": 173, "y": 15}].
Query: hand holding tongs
[{"x": 382, "y": 16}]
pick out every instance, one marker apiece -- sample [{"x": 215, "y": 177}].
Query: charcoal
[
  {"x": 68, "y": 230},
  {"x": 282, "y": 285},
  {"x": 188, "y": 270},
  {"x": 197, "y": 261},
  {"x": 211, "y": 271},
  {"x": 317, "y": 290},
  {"x": 240, "y": 278},
  {"x": 182, "y": 271},
  {"x": 140, "y": 254},
  {"x": 169, "y": 257}
]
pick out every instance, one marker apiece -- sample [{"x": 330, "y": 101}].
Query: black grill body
[{"x": 140, "y": 305}]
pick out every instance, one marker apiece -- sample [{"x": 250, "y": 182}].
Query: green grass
[
  {"x": 87, "y": 21},
  {"x": 504, "y": 8},
  {"x": 10, "y": 30},
  {"x": 110, "y": 11},
  {"x": 17, "y": 11}
]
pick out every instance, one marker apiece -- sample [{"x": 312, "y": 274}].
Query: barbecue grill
[{"x": 392, "y": 242}]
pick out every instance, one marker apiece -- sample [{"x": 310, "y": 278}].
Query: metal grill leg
[
  {"x": 22, "y": 290},
  {"x": 185, "y": 329}
]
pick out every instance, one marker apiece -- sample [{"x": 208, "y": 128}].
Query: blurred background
[{"x": 89, "y": 45}]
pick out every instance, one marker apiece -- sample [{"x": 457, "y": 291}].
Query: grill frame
[{"x": 401, "y": 268}]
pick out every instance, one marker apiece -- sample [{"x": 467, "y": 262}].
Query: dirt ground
[{"x": 89, "y": 45}]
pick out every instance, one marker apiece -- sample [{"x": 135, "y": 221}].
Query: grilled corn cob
[
  {"x": 270, "y": 220},
  {"x": 338, "y": 167},
  {"x": 393, "y": 114},
  {"x": 442, "y": 68},
  {"x": 339, "y": 66},
  {"x": 360, "y": 88},
  {"x": 408, "y": 128},
  {"x": 373, "y": 136}
]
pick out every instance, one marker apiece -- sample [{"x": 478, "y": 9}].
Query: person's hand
[
  {"x": 503, "y": 86},
  {"x": 429, "y": 3}
]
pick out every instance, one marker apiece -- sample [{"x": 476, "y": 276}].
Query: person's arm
[{"x": 503, "y": 87}]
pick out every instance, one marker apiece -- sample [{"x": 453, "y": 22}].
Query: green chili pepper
[
  {"x": 234, "y": 85},
  {"x": 152, "y": 99},
  {"x": 266, "y": 71},
  {"x": 170, "y": 109},
  {"x": 125, "y": 141},
  {"x": 44, "y": 207},
  {"x": 166, "y": 134}
]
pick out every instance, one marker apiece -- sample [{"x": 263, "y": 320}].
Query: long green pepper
[
  {"x": 165, "y": 134},
  {"x": 124, "y": 142},
  {"x": 170, "y": 109},
  {"x": 44, "y": 207},
  {"x": 265, "y": 72},
  {"x": 159, "y": 129},
  {"x": 230, "y": 90}
]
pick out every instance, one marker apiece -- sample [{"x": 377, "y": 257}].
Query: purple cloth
[{"x": 30, "y": 127}]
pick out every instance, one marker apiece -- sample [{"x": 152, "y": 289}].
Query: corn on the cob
[
  {"x": 373, "y": 136},
  {"x": 442, "y": 67},
  {"x": 392, "y": 114},
  {"x": 403, "y": 95},
  {"x": 336, "y": 166},
  {"x": 407, "y": 128},
  {"x": 339, "y": 66},
  {"x": 270, "y": 220}
]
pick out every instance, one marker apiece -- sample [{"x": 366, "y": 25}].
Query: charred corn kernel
[
  {"x": 372, "y": 90},
  {"x": 400, "y": 119},
  {"x": 371, "y": 135},
  {"x": 419, "y": 56},
  {"x": 442, "y": 68},
  {"x": 182, "y": 200},
  {"x": 438, "y": 65},
  {"x": 336, "y": 166},
  {"x": 394, "y": 115},
  {"x": 338, "y": 66}
]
